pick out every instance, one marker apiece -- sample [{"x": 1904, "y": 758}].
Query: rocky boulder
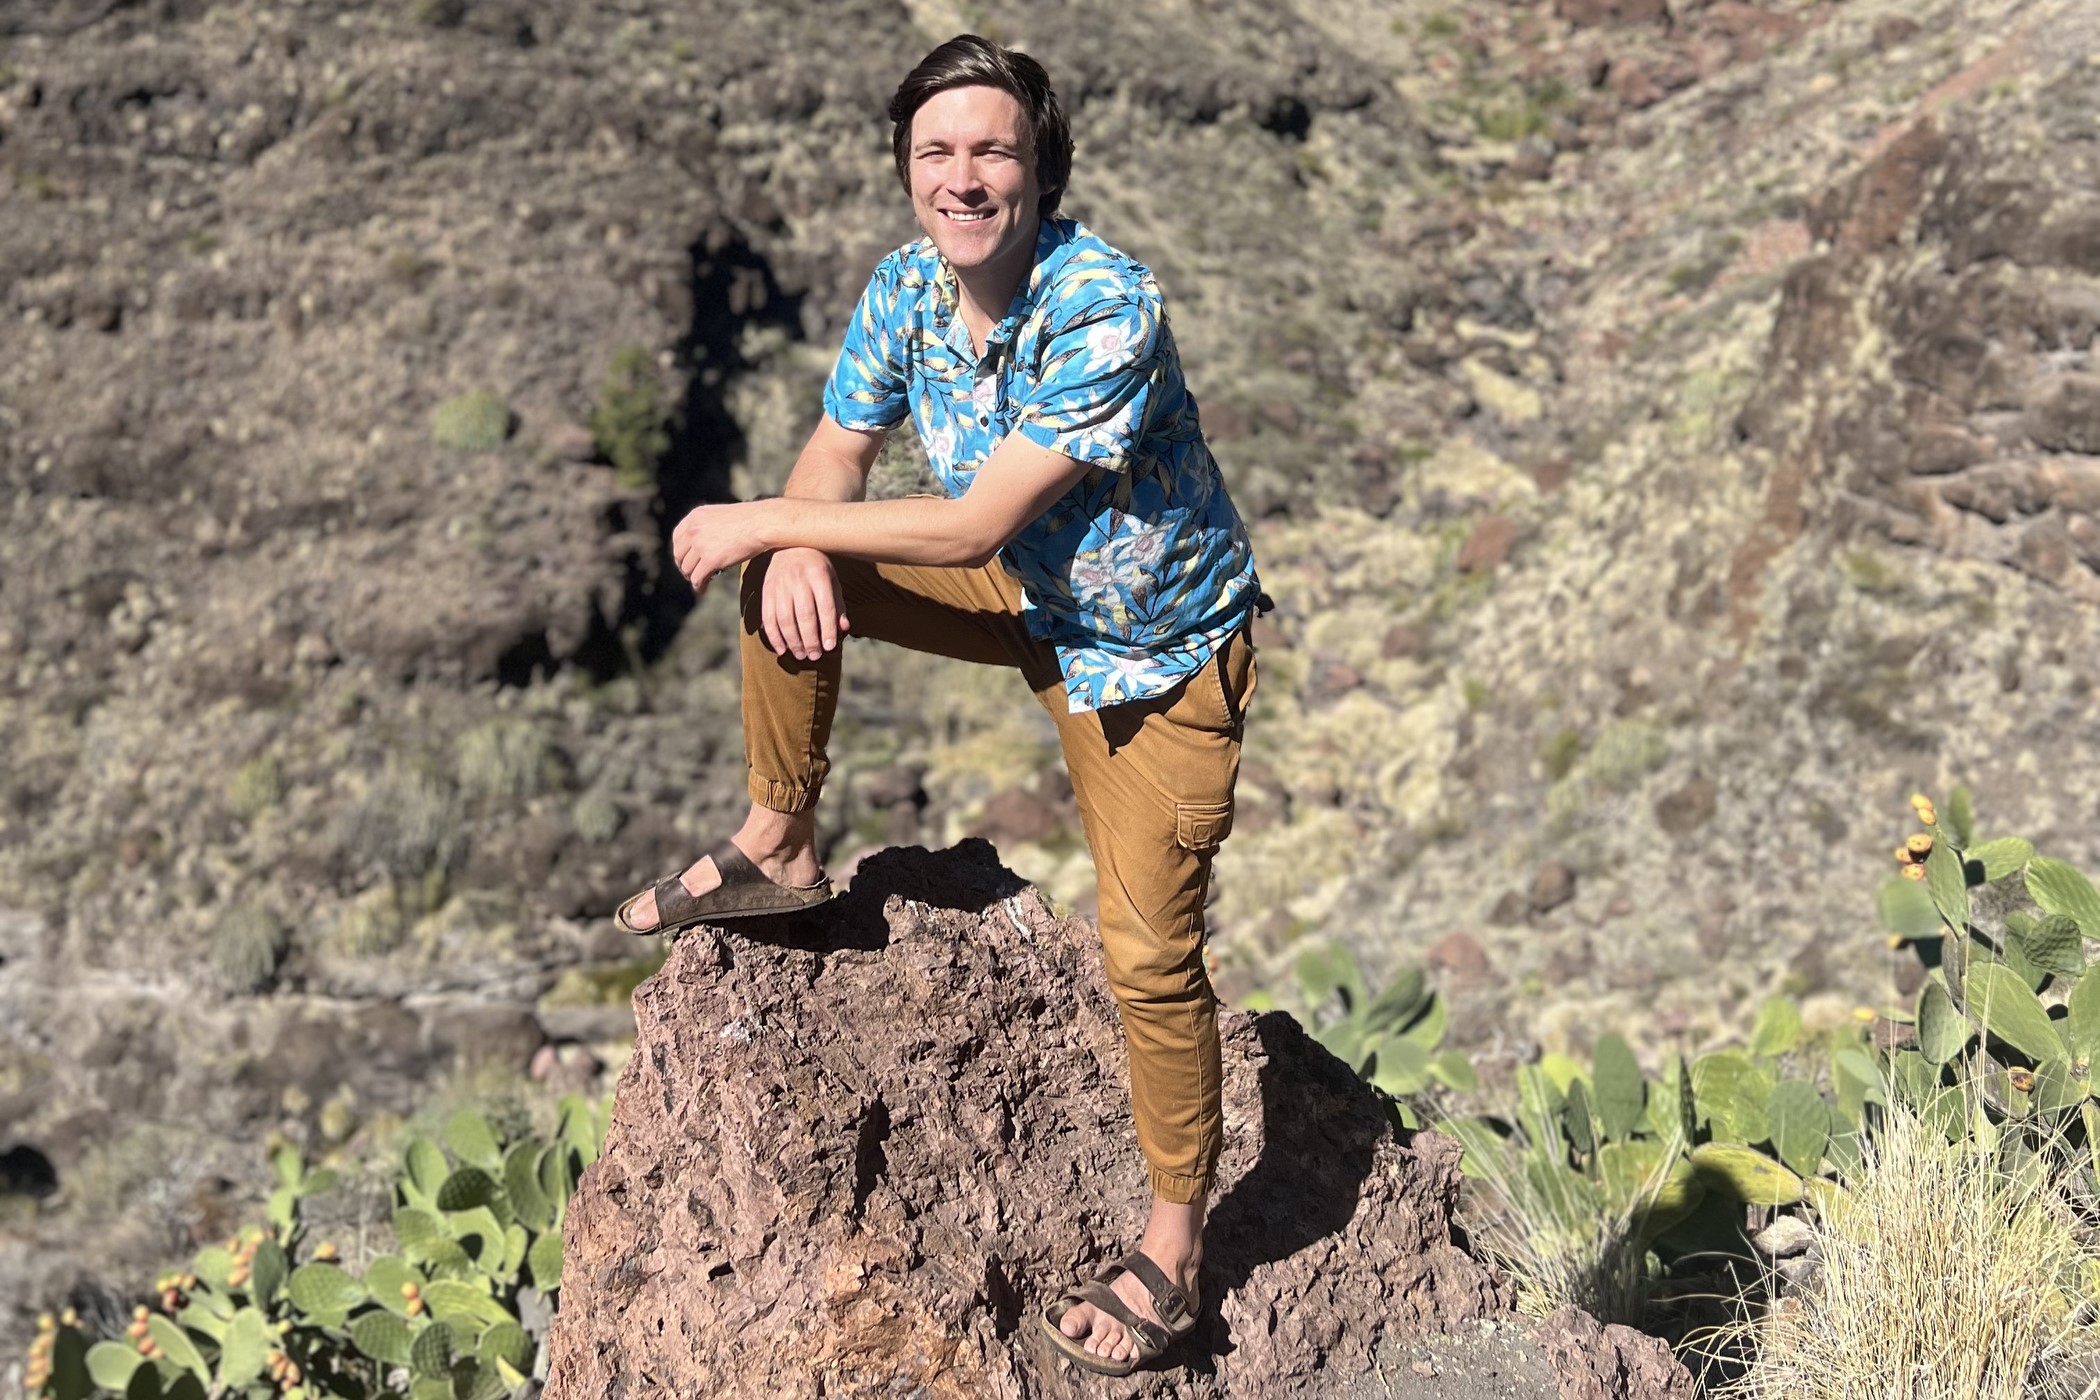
[{"x": 854, "y": 1154}]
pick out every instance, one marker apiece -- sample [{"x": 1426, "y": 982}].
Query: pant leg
[
  {"x": 968, "y": 614},
  {"x": 1154, "y": 781}
]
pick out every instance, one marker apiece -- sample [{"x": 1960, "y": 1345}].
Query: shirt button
[{"x": 983, "y": 421}]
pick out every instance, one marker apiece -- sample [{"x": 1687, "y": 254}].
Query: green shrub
[
  {"x": 628, "y": 422},
  {"x": 1559, "y": 754},
  {"x": 246, "y": 948},
  {"x": 474, "y": 422},
  {"x": 257, "y": 786},
  {"x": 506, "y": 760},
  {"x": 373, "y": 924},
  {"x": 407, "y": 825}
]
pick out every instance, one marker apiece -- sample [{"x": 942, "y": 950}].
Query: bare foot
[{"x": 782, "y": 845}]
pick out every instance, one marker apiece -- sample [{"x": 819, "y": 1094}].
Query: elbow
[{"x": 980, "y": 544}]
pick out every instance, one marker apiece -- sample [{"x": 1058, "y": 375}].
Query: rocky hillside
[{"x": 1670, "y": 432}]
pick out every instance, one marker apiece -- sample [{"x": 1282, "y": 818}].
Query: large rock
[{"x": 855, "y": 1154}]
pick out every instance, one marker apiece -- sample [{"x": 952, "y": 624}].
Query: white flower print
[{"x": 1108, "y": 342}]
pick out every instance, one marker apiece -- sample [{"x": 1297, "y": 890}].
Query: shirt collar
[{"x": 1052, "y": 238}]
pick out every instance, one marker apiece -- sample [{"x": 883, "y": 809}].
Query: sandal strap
[
  {"x": 1171, "y": 1303},
  {"x": 1150, "y": 1338}
]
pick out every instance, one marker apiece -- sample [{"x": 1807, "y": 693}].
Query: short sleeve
[
  {"x": 867, "y": 387},
  {"x": 1099, "y": 366}
]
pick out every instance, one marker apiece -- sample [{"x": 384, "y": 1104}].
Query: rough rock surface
[{"x": 855, "y": 1154}]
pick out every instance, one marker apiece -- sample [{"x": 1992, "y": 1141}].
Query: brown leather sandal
[
  {"x": 1149, "y": 1337},
  {"x": 745, "y": 891}
]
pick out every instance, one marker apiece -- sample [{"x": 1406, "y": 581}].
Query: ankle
[{"x": 779, "y": 836}]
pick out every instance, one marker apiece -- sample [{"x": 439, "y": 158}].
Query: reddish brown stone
[
  {"x": 1461, "y": 958},
  {"x": 1487, "y": 547},
  {"x": 1553, "y": 886},
  {"x": 1595, "y": 1362},
  {"x": 1403, "y": 640}
]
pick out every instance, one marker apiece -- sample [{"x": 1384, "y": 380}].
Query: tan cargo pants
[{"x": 1154, "y": 781}]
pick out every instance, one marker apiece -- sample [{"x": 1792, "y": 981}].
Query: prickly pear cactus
[{"x": 265, "y": 1316}]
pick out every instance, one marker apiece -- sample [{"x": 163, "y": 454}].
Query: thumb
[{"x": 843, "y": 624}]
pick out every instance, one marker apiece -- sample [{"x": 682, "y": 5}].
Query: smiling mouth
[{"x": 964, "y": 216}]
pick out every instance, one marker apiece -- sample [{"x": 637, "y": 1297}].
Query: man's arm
[
  {"x": 1017, "y": 484},
  {"x": 799, "y": 610}
]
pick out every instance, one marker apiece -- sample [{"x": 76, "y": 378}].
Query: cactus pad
[
  {"x": 510, "y": 1342},
  {"x": 465, "y": 1189},
  {"x": 545, "y": 1261},
  {"x": 384, "y": 1277},
  {"x": 110, "y": 1364},
  {"x": 245, "y": 1348},
  {"x": 1746, "y": 1174},
  {"x": 178, "y": 1347},
  {"x": 471, "y": 1139},
  {"x": 267, "y": 1272},
  {"x": 2061, "y": 889},
  {"x": 383, "y": 1337},
  {"x": 1621, "y": 1094},
  {"x": 1998, "y": 998},
  {"x": 325, "y": 1290},
  {"x": 1800, "y": 1125},
  {"x": 1942, "y": 1030},
  {"x": 430, "y": 1355}
]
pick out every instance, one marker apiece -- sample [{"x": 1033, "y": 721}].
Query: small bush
[
  {"x": 597, "y": 818},
  {"x": 406, "y": 826},
  {"x": 246, "y": 948},
  {"x": 475, "y": 422},
  {"x": 506, "y": 760},
  {"x": 257, "y": 786},
  {"x": 373, "y": 924},
  {"x": 1941, "y": 1276},
  {"x": 628, "y": 422},
  {"x": 1559, "y": 754}
]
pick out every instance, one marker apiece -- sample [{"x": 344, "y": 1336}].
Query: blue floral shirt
[{"x": 1143, "y": 568}]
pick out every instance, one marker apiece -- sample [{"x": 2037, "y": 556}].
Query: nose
[{"x": 964, "y": 180}]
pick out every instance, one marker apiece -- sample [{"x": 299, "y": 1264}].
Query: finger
[
  {"x": 772, "y": 622},
  {"x": 806, "y": 617},
  {"x": 827, "y": 612}
]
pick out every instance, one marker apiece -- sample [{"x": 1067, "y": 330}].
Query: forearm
[{"x": 917, "y": 530}]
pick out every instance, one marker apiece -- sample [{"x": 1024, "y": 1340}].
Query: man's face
[{"x": 973, "y": 185}]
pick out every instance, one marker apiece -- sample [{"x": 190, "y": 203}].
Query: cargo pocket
[{"x": 1200, "y": 826}]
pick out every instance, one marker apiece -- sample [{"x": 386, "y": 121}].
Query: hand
[
  {"x": 800, "y": 609},
  {"x": 714, "y": 539}
]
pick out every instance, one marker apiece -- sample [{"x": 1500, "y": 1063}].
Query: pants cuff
[
  {"x": 783, "y": 797},
  {"x": 1181, "y": 1190}
]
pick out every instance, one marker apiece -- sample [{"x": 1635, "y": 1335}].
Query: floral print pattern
[{"x": 1139, "y": 572}]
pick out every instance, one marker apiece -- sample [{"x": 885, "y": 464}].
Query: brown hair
[{"x": 970, "y": 61}]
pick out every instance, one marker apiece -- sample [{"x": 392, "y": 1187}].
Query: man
[{"x": 1086, "y": 540}]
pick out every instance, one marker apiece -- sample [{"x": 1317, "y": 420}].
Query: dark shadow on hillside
[{"x": 733, "y": 290}]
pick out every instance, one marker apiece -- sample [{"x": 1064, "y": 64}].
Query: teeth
[{"x": 968, "y": 218}]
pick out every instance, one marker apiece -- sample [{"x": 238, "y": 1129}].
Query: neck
[{"x": 987, "y": 291}]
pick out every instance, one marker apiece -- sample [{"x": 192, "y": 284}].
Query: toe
[
  {"x": 642, "y": 914},
  {"x": 1106, "y": 1338},
  {"x": 1076, "y": 1321}
]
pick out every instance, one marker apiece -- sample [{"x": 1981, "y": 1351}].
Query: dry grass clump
[
  {"x": 1942, "y": 1278},
  {"x": 1558, "y": 1239}
]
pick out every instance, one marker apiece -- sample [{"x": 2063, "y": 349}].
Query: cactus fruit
[
  {"x": 1919, "y": 845},
  {"x": 1913, "y": 872}
]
